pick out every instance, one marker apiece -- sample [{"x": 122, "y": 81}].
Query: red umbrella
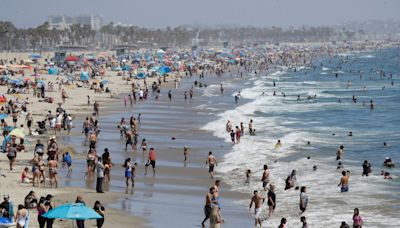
[{"x": 72, "y": 58}]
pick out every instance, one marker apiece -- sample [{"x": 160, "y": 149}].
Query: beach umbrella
[
  {"x": 35, "y": 56},
  {"x": 84, "y": 76},
  {"x": 17, "y": 132},
  {"x": 72, "y": 211},
  {"x": 72, "y": 58},
  {"x": 3, "y": 116},
  {"x": 6, "y": 222}
]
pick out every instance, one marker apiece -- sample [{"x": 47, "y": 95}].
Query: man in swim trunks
[
  {"x": 53, "y": 165},
  {"x": 208, "y": 206},
  {"x": 258, "y": 201},
  {"x": 151, "y": 161},
  {"x": 211, "y": 161},
  {"x": 344, "y": 182},
  {"x": 265, "y": 177},
  {"x": 339, "y": 153}
]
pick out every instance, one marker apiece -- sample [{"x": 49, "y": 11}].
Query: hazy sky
[{"x": 160, "y": 13}]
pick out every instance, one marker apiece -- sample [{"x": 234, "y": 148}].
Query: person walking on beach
[
  {"x": 258, "y": 201},
  {"x": 170, "y": 95},
  {"x": 128, "y": 172},
  {"x": 344, "y": 182},
  {"x": 265, "y": 178},
  {"x": 211, "y": 161},
  {"x": 80, "y": 223},
  {"x": 96, "y": 108},
  {"x": 151, "y": 161},
  {"x": 100, "y": 175},
  {"x": 271, "y": 200},
  {"x": 303, "y": 199},
  {"x": 357, "y": 220},
  {"x": 208, "y": 206},
  {"x": 101, "y": 211},
  {"x": 49, "y": 204}
]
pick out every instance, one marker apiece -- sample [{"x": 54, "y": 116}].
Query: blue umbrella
[
  {"x": 35, "y": 56},
  {"x": 3, "y": 116},
  {"x": 72, "y": 211},
  {"x": 6, "y": 222}
]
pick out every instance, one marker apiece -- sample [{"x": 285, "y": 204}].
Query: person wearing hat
[{"x": 52, "y": 149}]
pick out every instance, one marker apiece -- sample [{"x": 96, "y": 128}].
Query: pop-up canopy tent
[{"x": 84, "y": 76}]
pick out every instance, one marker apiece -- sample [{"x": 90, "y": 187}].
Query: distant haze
[{"x": 162, "y": 13}]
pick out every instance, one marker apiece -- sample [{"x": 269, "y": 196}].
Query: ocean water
[{"x": 325, "y": 123}]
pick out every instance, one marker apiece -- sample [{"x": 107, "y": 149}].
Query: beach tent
[
  {"x": 126, "y": 68},
  {"x": 84, "y": 76},
  {"x": 17, "y": 132},
  {"x": 35, "y": 56},
  {"x": 52, "y": 71},
  {"x": 72, "y": 211}
]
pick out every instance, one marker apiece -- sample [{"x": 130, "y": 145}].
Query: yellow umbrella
[{"x": 18, "y": 132}]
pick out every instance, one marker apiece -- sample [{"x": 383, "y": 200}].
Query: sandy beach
[{"x": 168, "y": 124}]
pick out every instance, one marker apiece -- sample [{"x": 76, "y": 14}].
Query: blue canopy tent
[
  {"x": 164, "y": 69},
  {"x": 52, "y": 71},
  {"x": 72, "y": 211},
  {"x": 84, "y": 76}
]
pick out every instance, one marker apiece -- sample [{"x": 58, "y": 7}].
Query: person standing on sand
[
  {"x": 80, "y": 223},
  {"x": 208, "y": 206},
  {"x": 258, "y": 201},
  {"x": 344, "y": 182},
  {"x": 265, "y": 178},
  {"x": 211, "y": 161},
  {"x": 303, "y": 199},
  {"x": 128, "y": 172},
  {"x": 100, "y": 175},
  {"x": 96, "y": 108},
  {"x": 53, "y": 165},
  {"x": 151, "y": 161}
]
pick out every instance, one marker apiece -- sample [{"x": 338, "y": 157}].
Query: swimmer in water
[
  {"x": 278, "y": 144},
  {"x": 339, "y": 166},
  {"x": 350, "y": 133},
  {"x": 248, "y": 175}
]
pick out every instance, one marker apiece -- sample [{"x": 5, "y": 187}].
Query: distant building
[{"x": 63, "y": 22}]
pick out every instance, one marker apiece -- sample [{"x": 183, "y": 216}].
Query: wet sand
[{"x": 175, "y": 186}]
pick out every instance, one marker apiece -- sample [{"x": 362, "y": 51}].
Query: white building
[{"x": 63, "y": 22}]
